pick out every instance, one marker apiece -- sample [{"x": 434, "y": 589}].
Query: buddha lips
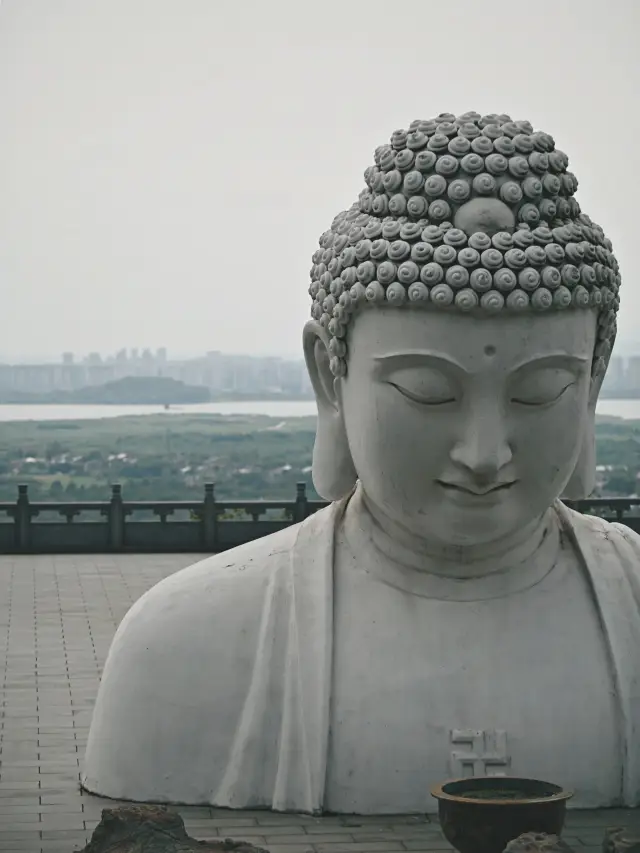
[{"x": 468, "y": 212}]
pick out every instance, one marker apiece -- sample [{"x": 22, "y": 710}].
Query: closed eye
[
  {"x": 538, "y": 403},
  {"x": 423, "y": 401}
]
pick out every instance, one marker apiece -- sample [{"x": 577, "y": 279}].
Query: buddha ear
[
  {"x": 583, "y": 479},
  {"x": 334, "y": 475}
]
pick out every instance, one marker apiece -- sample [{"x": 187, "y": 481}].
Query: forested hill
[{"x": 132, "y": 390}]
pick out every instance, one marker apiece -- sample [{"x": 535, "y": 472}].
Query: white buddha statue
[{"x": 447, "y": 615}]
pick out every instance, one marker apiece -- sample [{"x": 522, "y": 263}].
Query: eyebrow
[
  {"x": 557, "y": 359},
  {"x": 415, "y": 357}
]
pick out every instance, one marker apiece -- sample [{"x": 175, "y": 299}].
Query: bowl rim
[{"x": 438, "y": 792}]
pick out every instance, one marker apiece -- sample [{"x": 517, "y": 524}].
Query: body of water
[
  {"x": 53, "y": 412},
  {"x": 273, "y": 408},
  {"x": 629, "y": 409}
]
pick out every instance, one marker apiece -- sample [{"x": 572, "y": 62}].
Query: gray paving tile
[
  {"x": 68, "y": 845},
  {"x": 272, "y": 820},
  {"x": 25, "y": 799},
  {"x": 429, "y": 846},
  {"x": 324, "y": 838},
  {"x": 62, "y": 822},
  {"x": 18, "y": 822},
  {"x": 360, "y": 847},
  {"x": 373, "y": 834},
  {"x": 192, "y": 812},
  {"x": 29, "y": 834},
  {"x": 291, "y": 848},
  {"x": 19, "y": 774}
]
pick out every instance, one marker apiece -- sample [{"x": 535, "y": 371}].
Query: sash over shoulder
[{"x": 297, "y": 632}]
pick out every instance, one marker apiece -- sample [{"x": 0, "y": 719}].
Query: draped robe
[{"x": 218, "y": 683}]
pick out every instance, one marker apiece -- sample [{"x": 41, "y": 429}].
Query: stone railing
[
  {"x": 205, "y": 526},
  {"x": 624, "y": 510}
]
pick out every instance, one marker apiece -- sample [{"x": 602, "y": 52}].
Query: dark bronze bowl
[{"x": 481, "y": 815}]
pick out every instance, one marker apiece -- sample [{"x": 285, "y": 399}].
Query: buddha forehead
[
  {"x": 473, "y": 343},
  {"x": 467, "y": 215}
]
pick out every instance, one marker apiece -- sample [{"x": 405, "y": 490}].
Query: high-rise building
[
  {"x": 633, "y": 372},
  {"x": 616, "y": 372},
  {"x": 215, "y": 370}
]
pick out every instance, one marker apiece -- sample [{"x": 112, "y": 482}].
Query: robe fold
[{"x": 217, "y": 689}]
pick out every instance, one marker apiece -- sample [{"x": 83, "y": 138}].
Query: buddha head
[{"x": 463, "y": 315}]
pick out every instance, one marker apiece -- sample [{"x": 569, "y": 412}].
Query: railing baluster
[
  {"x": 301, "y": 510},
  {"x": 23, "y": 519},
  {"x": 116, "y": 519},
  {"x": 209, "y": 519}
]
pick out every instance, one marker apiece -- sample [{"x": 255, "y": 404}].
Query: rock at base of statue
[
  {"x": 620, "y": 840},
  {"x": 537, "y": 842},
  {"x": 153, "y": 829}
]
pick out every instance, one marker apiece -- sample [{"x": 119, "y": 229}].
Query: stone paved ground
[{"x": 57, "y": 618}]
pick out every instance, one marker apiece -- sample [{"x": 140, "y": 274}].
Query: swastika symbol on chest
[{"x": 486, "y": 752}]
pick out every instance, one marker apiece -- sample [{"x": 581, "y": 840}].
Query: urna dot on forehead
[{"x": 467, "y": 213}]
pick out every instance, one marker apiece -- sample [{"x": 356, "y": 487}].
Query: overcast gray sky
[{"x": 167, "y": 166}]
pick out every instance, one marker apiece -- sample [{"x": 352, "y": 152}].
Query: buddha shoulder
[
  {"x": 202, "y": 622},
  {"x": 222, "y": 590},
  {"x": 181, "y": 663}
]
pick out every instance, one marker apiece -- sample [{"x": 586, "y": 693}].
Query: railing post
[
  {"x": 23, "y": 519},
  {"x": 116, "y": 519},
  {"x": 301, "y": 511},
  {"x": 209, "y": 519}
]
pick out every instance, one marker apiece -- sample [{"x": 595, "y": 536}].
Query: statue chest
[{"x": 426, "y": 689}]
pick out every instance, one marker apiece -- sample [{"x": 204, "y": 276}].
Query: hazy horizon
[
  {"x": 168, "y": 165},
  {"x": 176, "y": 355},
  {"x": 623, "y": 349}
]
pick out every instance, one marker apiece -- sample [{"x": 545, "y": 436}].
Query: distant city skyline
[
  {"x": 33, "y": 357},
  {"x": 217, "y": 371}
]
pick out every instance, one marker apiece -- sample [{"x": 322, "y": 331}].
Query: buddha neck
[{"x": 398, "y": 546}]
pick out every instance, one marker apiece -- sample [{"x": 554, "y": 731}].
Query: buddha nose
[{"x": 483, "y": 449}]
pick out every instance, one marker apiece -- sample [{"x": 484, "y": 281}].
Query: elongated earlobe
[
  {"x": 334, "y": 475},
  {"x": 583, "y": 479}
]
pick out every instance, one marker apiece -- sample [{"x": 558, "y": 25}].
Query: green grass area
[
  {"x": 47, "y": 480},
  {"x": 246, "y": 456},
  {"x": 172, "y": 456}
]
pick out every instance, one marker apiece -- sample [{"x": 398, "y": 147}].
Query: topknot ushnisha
[{"x": 465, "y": 212}]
